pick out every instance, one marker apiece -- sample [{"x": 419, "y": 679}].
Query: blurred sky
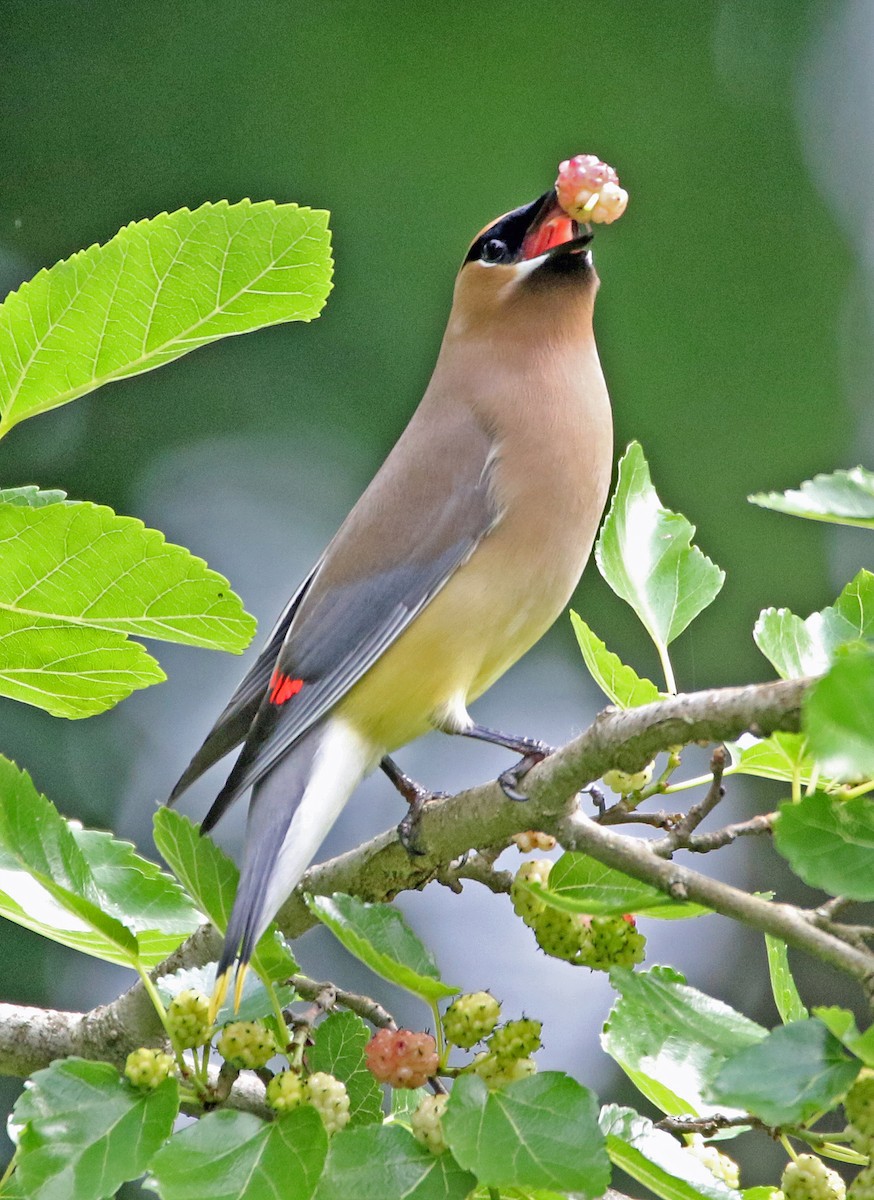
[{"x": 733, "y": 321}]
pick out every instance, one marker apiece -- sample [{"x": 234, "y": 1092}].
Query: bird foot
[
  {"x": 409, "y": 833},
  {"x": 509, "y": 780}
]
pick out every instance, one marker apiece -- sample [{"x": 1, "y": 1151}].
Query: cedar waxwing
[{"x": 458, "y": 557}]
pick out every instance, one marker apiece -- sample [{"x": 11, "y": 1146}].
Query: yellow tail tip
[
  {"x": 242, "y": 969},
  {"x": 219, "y": 992}
]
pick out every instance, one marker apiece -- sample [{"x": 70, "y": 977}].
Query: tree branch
[{"x": 482, "y": 817}]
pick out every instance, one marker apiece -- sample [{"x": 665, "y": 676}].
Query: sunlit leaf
[
  {"x": 382, "y": 939},
  {"x": 620, "y": 683},
  {"x": 782, "y": 756},
  {"x": 155, "y": 291},
  {"x": 578, "y": 883},
  {"x": 671, "y": 1039},
  {"x": 657, "y": 1160},
  {"x": 385, "y": 1162},
  {"x": 843, "y": 498},
  {"x": 86, "y": 1131},
  {"x": 797, "y": 647},
  {"x": 645, "y": 553}
]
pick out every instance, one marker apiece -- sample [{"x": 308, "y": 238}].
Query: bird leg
[
  {"x": 532, "y": 750},
  {"x": 416, "y": 797}
]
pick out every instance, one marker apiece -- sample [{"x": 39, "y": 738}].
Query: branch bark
[{"x": 482, "y": 817}]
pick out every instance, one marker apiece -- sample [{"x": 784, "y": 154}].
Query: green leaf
[
  {"x": 339, "y": 1050},
  {"x": 620, "y": 683},
  {"x": 578, "y": 883},
  {"x": 380, "y": 937},
  {"x": 829, "y": 843},
  {"x": 839, "y": 717},
  {"x": 256, "y": 1004},
  {"x": 70, "y": 671},
  {"x": 158, "y": 289},
  {"x": 385, "y": 1162},
  {"x": 796, "y": 648},
  {"x": 782, "y": 756},
  {"x": 799, "y": 1070},
  {"x": 82, "y": 564},
  {"x": 85, "y": 1131},
  {"x": 843, "y": 498},
  {"x": 31, "y": 495},
  {"x": 842, "y": 1024},
  {"x": 46, "y": 883},
  {"x": 671, "y": 1039},
  {"x": 139, "y": 894},
  {"x": 646, "y": 555},
  {"x": 539, "y": 1132},
  {"x": 657, "y": 1160},
  {"x": 209, "y": 876},
  {"x": 236, "y": 1156},
  {"x": 403, "y": 1102},
  {"x": 786, "y": 997}
]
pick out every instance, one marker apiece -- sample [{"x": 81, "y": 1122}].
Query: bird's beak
[{"x": 552, "y": 231}]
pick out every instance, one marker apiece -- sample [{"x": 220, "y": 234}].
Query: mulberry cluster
[
  {"x": 526, "y": 905},
  {"x": 624, "y": 782},
  {"x": 426, "y": 1123},
  {"x": 188, "y": 1019},
  {"x": 470, "y": 1018},
  {"x": 247, "y": 1044},
  {"x": 720, "y": 1165},
  {"x": 148, "y": 1068},
  {"x": 588, "y": 190},
  {"x": 808, "y": 1178},
  {"x": 401, "y": 1058},
  {"x": 324, "y": 1092},
  {"x": 533, "y": 839}
]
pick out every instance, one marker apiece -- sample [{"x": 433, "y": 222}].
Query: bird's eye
[{"x": 494, "y": 251}]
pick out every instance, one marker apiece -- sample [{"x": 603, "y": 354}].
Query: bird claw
[
  {"x": 408, "y": 829},
  {"x": 509, "y": 780}
]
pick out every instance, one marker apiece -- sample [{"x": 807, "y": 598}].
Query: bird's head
[{"x": 533, "y": 257}]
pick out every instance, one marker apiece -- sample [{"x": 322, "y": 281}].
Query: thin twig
[
  {"x": 679, "y": 837},
  {"x": 328, "y": 995},
  {"x": 703, "y": 843},
  {"x": 707, "y": 1126}
]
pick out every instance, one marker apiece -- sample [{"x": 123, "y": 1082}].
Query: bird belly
[{"x": 489, "y": 613}]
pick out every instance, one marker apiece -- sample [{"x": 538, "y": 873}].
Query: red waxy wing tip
[{"x": 283, "y": 687}]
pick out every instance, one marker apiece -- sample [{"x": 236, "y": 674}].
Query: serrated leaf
[
  {"x": 799, "y": 1070},
  {"x": 236, "y": 1156},
  {"x": 158, "y": 289},
  {"x": 139, "y": 894},
  {"x": 339, "y": 1050},
  {"x": 255, "y": 1002},
  {"x": 843, "y": 498},
  {"x": 30, "y": 495},
  {"x": 539, "y": 1132},
  {"x": 620, "y": 683},
  {"x": 796, "y": 648},
  {"x": 786, "y": 997},
  {"x": 83, "y": 564},
  {"x": 578, "y": 883},
  {"x": 211, "y": 879},
  {"x": 829, "y": 843},
  {"x": 46, "y": 883},
  {"x": 379, "y": 936},
  {"x": 671, "y": 1039},
  {"x": 782, "y": 756},
  {"x": 86, "y": 1131},
  {"x": 839, "y": 717},
  {"x": 403, "y": 1102},
  {"x": 385, "y": 1162},
  {"x": 70, "y": 671},
  {"x": 657, "y": 1160},
  {"x": 646, "y": 555}
]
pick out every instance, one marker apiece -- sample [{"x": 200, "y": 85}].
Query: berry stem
[
  {"x": 152, "y": 993},
  {"x": 442, "y": 1048}
]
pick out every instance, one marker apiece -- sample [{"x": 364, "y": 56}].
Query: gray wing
[{"x": 420, "y": 519}]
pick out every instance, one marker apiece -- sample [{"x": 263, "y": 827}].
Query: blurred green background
[{"x": 733, "y": 317}]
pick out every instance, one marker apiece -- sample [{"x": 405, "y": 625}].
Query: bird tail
[{"x": 292, "y": 809}]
